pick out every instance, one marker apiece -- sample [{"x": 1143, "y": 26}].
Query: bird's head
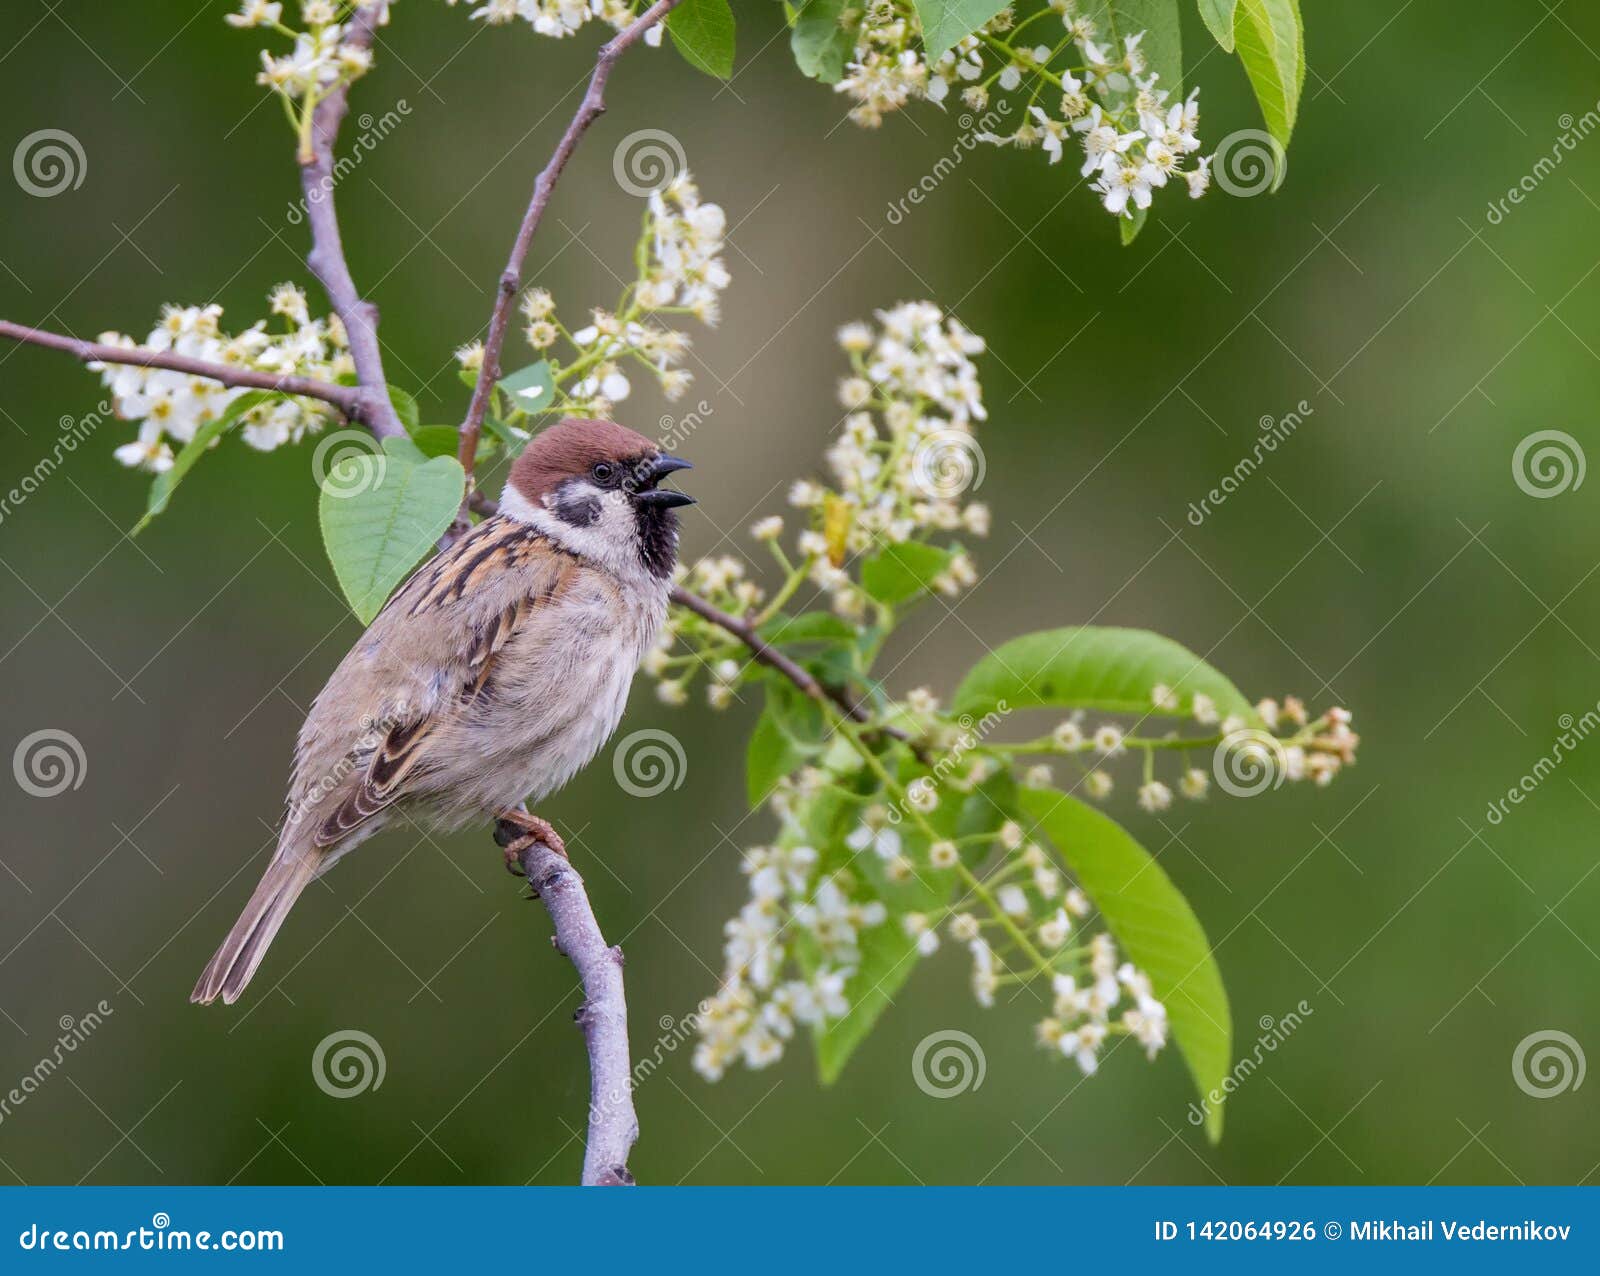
[{"x": 594, "y": 487}]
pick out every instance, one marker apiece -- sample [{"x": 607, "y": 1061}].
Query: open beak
[{"x": 663, "y": 498}]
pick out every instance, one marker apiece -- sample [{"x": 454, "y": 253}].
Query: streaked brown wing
[{"x": 495, "y": 548}]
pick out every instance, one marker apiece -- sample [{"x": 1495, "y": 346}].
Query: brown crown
[{"x": 569, "y": 448}]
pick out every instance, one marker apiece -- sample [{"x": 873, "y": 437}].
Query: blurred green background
[{"x": 1384, "y": 559}]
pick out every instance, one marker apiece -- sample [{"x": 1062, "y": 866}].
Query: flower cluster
[
  {"x": 680, "y": 272},
  {"x": 321, "y": 61},
  {"x": 171, "y": 406},
  {"x": 1079, "y": 80},
  {"x": 559, "y": 18},
  {"x": 1282, "y": 743},
  {"x": 900, "y": 471},
  {"x": 795, "y": 915}
]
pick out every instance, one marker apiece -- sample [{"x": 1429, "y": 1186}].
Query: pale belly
[{"x": 559, "y": 690}]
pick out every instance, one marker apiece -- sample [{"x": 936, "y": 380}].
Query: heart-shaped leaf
[{"x": 380, "y": 513}]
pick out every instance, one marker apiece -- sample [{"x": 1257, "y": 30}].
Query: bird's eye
[{"x": 602, "y": 471}]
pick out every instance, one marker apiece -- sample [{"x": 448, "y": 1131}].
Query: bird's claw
[{"x": 516, "y": 829}]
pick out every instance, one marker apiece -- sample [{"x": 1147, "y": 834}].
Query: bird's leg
[{"x": 514, "y": 829}]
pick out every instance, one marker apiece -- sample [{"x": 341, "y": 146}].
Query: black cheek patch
[{"x": 577, "y": 510}]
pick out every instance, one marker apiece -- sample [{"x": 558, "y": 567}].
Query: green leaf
[
  {"x": 824, "y": 37},
  {"x": 1130, "y": 226},
  {"x": 1272, "y": 47},
  {"x": 770, "y": 757},
  {"x": 436, "y": 440},
  {"x": 1218, "y": 17},
  {"x": 1088, "y": 667},
  {"x": 1162, "y": 46},
  {"x": 405, "y": 407},
  {"x": 888, "y": 956},
  {"x": 1155, "y": 928},
  {"x": 703, "y": 32},
  {"x": 381, "y": 513},
  {"x": 512, "y": 437},
  {"x": 903, "y": 571},
  {"x": 162, "y": 487},
  {"x": 531, "y": 389},
  {"x": 810, "y": 626},
  {"x": 946, "y": 23},
  {"x": 798, "y": 715}
]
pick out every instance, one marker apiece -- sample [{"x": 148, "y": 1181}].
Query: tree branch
[
  {"x": 763, "y": 653},
  {"x": 326, "y": 258},
  {"x": 613, "y": 1126},
  {"x": 589, "y": 109},
  {"x": 348, "y": 399}
]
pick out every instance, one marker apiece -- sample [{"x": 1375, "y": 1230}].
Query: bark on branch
[
  {"x": 603, "y": 1016},
  {"x": 347, "y": 398},
  {"x": 326, "y": 258},
  {"x": 589, "y": 109}
]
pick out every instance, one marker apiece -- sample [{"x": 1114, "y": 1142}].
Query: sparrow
[{"x": 489, "y": 679}]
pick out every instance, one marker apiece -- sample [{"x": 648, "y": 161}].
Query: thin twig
[
  {"x": 613, "y": 1125},
  {"x": 346, "y": 398},
  {"x": 589, "y": 109},
  {"x": 764, "y": 653},
  {"x": 326, "y": 258}
]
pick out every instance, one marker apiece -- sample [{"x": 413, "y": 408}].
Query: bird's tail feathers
[{"x": 241, "y": 952}]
